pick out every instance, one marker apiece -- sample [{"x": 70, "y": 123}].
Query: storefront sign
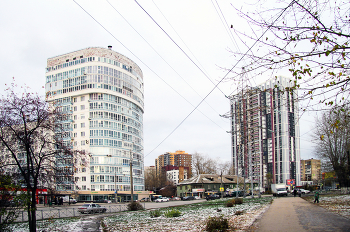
[{"x": 198, "y": 190}]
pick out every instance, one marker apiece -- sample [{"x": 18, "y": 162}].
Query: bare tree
[
  {"x": 202, "y": 164},
  {"x": 151, "y": 179},
  {"x": 310, "y": 39},
  {"x": 33, "y": 139},
  {"x": 332, "y": 139},
  {"x": 226, "y": 168}
]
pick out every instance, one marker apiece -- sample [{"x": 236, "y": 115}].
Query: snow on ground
[
  {"x": 59, "y": 225},
  {"x": 339, "y": 204},
  {"x": 193, "y": 217}
]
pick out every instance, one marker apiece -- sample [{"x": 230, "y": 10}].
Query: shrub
[
  {"x": 219, "y": 224},
  {"x": 134, "y": 206},
  {"x": 155, "y": 213},
  {"x": 230, "y": 203},
  {"x": 173, "y": 213},
  {"x": 238, "y": 212},
  {"x": 239, "y": 201}
]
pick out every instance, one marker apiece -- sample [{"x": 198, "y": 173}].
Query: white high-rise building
[
  {"x": 265, "y": 133},
  {"x": 101, "y": 92}
]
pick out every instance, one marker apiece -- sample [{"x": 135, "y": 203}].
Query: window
[
  {"x": 82, "y": 133},
  {"x": 82, "y": 107},
  {"x": 75, "y": 117},
  {"x": 82, "y": 125},
  {"x": 75, "y": 108},
  {"x": 74, "y": 134},
  {"x": 82, "y": 98},
  {"x": 75, "y": 99},
  {"x": 83, "y": 178},
  {"x": 76, "y": 179},
  {"x": 82, "y": 116},
  {"x": 83, "y": 170},
  {"x": 75, "y": 126},
  {"x": 83, "y": 187},
  {"x": 82, "y": 143}
]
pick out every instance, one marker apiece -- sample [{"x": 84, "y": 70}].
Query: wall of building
[
  {"x": 101, "y": 92},
  {"x": 265, "y": 133}
]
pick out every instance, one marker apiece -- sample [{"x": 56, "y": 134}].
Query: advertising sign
[
  {"x": 198, "y": 190},
  {"x": 291, "y": 182}
]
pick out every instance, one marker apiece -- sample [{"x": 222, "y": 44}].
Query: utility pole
[
  {"x": 222, "y": 194},
  {"x": 131, "y": 178},
  {"x": 115, "y": 185}
]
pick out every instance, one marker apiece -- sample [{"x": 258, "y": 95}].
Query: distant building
[
  {"x": 310, "y": 170},
  {"x": 179, "y": 159},
  {"x": 175, "y": 174},
  {"x": 206, "y": 184},
  {"x": 265, "y": 133}
]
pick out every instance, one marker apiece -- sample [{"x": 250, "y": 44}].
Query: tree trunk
[{"x": 32, "y": 210}]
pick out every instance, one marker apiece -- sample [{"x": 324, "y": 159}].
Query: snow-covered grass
[
  {"x": 193, "y": 217},
  {"x": 339, "y": 204},
  {"x": 55, "y": 225}
]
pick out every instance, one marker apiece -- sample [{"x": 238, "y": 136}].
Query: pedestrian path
[{"x": 296, "y": 214}]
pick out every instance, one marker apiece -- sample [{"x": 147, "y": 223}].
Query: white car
[
  {"x": 91, "y": 208},
  {"x": 304, "y": 191},
  {"x": 162, "y": 199}
]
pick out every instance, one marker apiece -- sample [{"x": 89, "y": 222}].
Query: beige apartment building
[
  {"x": 179, "y": 159},
  {"x": 310, "y": 170}
]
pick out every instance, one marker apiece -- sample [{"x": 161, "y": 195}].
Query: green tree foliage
[
  {"x": 332, "y": 139},
  {"x": 309, "y": 39},
  {"x": 12, "y": 200}
]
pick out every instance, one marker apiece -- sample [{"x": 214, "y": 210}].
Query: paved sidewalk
[{"x": 296, "y": 214}]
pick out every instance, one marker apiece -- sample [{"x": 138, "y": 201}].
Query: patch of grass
[
  {"x": 155, "y": 213},
  {"x": 173, "y": 213}
]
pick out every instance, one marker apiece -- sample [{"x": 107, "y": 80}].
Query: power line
[
  {"x": 222, "y": 78},
  {"x": 180, "y": 48},
  {"x": 169, "y": 66}
]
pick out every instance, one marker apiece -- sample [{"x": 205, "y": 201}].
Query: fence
[{"x": 63, "y": 212}]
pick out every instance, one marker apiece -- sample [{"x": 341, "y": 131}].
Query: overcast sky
[{"x": 182, "y": 60}]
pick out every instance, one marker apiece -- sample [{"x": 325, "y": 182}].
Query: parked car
[
  {"x": 197, "y": 197},
  {"x": 304, "y": 191},
  {"x": 235, "y": 193},
  {"x": 100, "y": 201},
  {"x": 162, "y": 199},
  {"x": 212, "y": 197},
  {"x": 188, "y": 198},
  {"x": 175, "y": 199},
  {"x": 91, "y": 208},
  {"x": 145, "y": 199},
  {"x": 69, "y": 199}
]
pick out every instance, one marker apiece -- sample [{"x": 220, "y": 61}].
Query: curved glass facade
[{"x": 101, "y": 92}]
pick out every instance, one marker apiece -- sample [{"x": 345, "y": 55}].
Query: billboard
[{"x": 291, "y": 182}]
